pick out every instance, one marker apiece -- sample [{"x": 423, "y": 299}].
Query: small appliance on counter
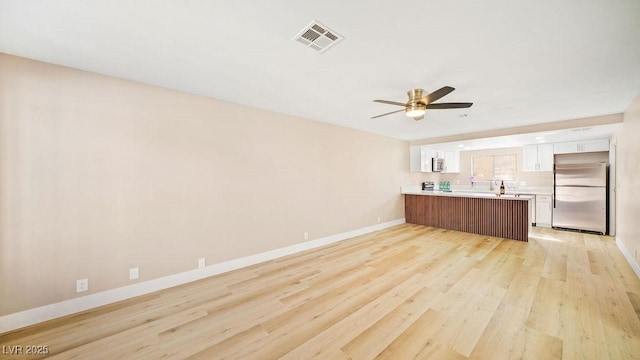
[
  {"x": 427, "y": 186},
  {"x": 437, "y": 164}
]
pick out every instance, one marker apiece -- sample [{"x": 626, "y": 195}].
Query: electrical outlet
[
  {"x": 378, "y": 219},
  {"x": 635, "y": 253},
  {"x": 202, "y": 263},
  {"x": 134, "y": 273},
  {"x": 82, "y": 285},
  {"x": 306, "y": 235}
]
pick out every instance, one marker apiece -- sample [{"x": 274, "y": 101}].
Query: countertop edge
[{"x": 467, "y": 194}]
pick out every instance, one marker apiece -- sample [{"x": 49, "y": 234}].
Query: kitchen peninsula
[{"x": 506, "y": 216}]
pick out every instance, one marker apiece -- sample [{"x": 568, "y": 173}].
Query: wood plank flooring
[{"x": 408, "y": 292}]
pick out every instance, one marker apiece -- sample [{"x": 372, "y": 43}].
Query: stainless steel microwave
[{"x": 437, "y": 164}]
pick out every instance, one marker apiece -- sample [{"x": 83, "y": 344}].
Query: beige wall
[
  {"x": 98, "y": 175},
  {"x": 628, "y": 180},
  {"x": 532, "y": 178}
]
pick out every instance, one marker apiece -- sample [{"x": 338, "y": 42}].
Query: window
[{"x": 494, "y": 167}]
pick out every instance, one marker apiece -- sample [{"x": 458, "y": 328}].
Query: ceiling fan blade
[
  {"x": 389, "y": 113},
  {"x": 449, "y": 106},
  {"x": 390, "y": 102},
  {"x": 416, "y": 118},
  {"x": 434, "y": 96}
]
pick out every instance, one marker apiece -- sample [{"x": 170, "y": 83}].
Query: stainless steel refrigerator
[{"x": 580, "y": 197}]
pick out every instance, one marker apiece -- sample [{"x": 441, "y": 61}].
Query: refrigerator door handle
[{"x": 554, "y": 185}]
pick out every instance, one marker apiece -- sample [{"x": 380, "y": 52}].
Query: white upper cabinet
[
  {"x": 420, "y": 158},
  {"x": 581, "y": 146},
  {"x": 537, "y": 157},
  {"x": 529, "y": 158},
  {"x": 452, "y": 161},
  {"x": 425, "y": 155},
  {"x": 417, "y": 159},
  {"x": 545, "y": 157},
  {"x": 414, "y": 158}
]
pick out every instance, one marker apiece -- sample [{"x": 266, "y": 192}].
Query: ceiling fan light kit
[
  {"x": 418, "y": 104},
  {"x": 415, "y": 110}
]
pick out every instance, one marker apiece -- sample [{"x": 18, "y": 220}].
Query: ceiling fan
[{"x": 419, "y": 104}]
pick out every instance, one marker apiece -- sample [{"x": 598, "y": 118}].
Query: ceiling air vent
[{"x": 318, "y": 37}]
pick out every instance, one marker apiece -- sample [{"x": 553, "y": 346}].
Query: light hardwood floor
[{"x": 406, "y": 292}]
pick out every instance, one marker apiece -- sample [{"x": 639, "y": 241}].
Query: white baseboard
[
  {"x": 68, "y": 307},
  {"x": 627, "y": 254}
]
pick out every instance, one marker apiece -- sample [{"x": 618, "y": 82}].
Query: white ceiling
[{"x": 519, "y": 62}]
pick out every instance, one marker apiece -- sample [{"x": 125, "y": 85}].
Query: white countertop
[
  {"x": 528, "y": 190},
  {"x": 416, "y": 190},
  {"x": 535, "y": 191}
]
